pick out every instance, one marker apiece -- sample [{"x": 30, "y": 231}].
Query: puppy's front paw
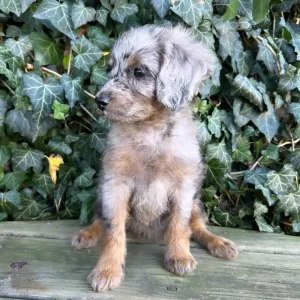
[
  {"x": 180, "y": 266},
  {"x": 222, "y": 248},
  {"x": 84, "y": 239},
  {"x": 105, "y": 280}
]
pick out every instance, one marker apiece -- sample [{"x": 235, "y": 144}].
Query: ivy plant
[{"x": 53, "y": 58}]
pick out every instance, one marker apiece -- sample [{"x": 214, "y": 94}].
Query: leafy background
[{"x": 53, "y": 57}]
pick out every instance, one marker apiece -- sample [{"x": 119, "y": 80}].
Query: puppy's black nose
[{"x": 102, "y": 101}]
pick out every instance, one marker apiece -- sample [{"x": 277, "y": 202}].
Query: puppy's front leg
[
  {"x": 109, "y": 271},
  {"x": 178, "y": 258}
]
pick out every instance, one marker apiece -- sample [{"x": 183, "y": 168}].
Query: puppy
[{"x": 152, "y": 168}]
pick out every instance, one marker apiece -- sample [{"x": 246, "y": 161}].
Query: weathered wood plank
[
  {"x": 55, "y": 271},
  {"x": 245, "y": 239}
]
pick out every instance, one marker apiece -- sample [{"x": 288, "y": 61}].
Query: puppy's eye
[
  {"x": 108, "y": 68},
  {"x": 138, "y": 73}
]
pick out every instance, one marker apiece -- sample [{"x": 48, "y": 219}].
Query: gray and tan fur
[{"x": 152, "y": 168}]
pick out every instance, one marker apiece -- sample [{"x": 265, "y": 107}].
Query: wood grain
[{"x": 268, "y": 267}]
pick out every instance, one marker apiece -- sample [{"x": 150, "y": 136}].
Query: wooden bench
[{"x": 268, "y": 267}]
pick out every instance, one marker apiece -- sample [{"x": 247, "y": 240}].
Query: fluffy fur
[{"x": 152, "y": 168}]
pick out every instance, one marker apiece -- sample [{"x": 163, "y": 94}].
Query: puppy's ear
[{"x": 185, "y": 63}]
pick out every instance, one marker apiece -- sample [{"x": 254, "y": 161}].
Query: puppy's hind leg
[
  {"x": 89, "y": 236},
  {"x": 216, "y": 245}
]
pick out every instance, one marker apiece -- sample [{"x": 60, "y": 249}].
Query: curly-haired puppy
[{"x": 152, "y": 168}]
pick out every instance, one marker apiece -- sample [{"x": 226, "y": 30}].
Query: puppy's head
[{"x": 153, "y": 68}]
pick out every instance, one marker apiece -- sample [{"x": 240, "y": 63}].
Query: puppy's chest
[{"x": 153, "y": 183}]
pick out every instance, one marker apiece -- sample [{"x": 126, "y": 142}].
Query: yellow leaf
[
  {"x": 54, "y": 162},
  {"x": 105, "y": 53}
]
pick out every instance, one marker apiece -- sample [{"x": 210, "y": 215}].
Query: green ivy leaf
[
  {"x": 81, "y": 14},
  {"x": 32, "y": 207},
  {"x": 99, "y": 74},
  {"x": 97, "y": 140},
  {"x": 257, "y": 176},
  {"x": 10, "y": 202},
  {"x": 285, "y": 5},
  {"x": 259, "y": 209},
  {"x": 122, "y": 10},
  {"x": 4, "y": 156},
  {"x": 208, "y": 193},
  {"x": 202, "y": 133},
  {"x": 87, "y": 53},
  {"x": 191, "y": 11},
  {"x": 88, "y": 198},
  {"x": 294, "y": 159},
  {"x": 242, "y": 152},
  {"x": 99, "y": 38},
  {"x": 248, "y": 88},
  {"x": 296, "y": 224},
  {"x": 227, "y": 36},
  {"x": 42, "y": 94},
  {"x": 260, "y": 10},
  {"x": 58, "y": 14},
  {"x": 266, "y": 122},
  {"x": 13, "y": 180},
  {"x": 60, "y": 110},
  {"x": 3, "y": 109},
  {"x": 43, "y": 184},
  {"x": 24, "y": 158},
  {"x": 70, "y": 137},
  {"x": 290, "y": 203},
  {"x": 215, "y": 174},
  {"x": 295, "y": 36},
  {"x": 289, "y": 80},
  {"x": 282, "y": 182},
  {"x": 19, "y": 121},
  {"x": 245, "y": 8},
  {"x": 204, "y": 34},
  {"x": 101, "y": 16},
  {"x": 239, "y": 119},
  {"x": 161, "y": 7},
  {"x": 225, "y": 218},
  {"x": 45, "y": 49},
  {"x": 73, "y": 88},
  {"x": 219, "y": 152},
  {"x": 263, "y": 225},
  {"x": 266, "y": 56},
  {"x": 243, "y": 60},
  {"x": 266, "y": 193},
  {"x": 25, "y": 4},
  {"x": 67, "y": 172},
  {"x": 214, "y": 123},
  {"x": 231, "y": 10},
  {"x": 19, "y": 48},
  {"x": 294, "y": 109},
  {"x": 85, "y": 179},
  {"x": 57, "y": 145},
  {"x": 8, "y": 6},
  {"x": 271, "y": 152}
]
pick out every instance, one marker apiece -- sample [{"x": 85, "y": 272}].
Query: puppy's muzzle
[{"x": 102, "y": 101}]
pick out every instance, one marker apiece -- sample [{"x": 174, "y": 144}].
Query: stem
[
  {"x": 87, "y": 112},
  {"x": 8, "y": 87},
  {"x": 86, "y": 92},
  {"x": 292, "y": 138},
  {"x": 256, "y": 163},
  {"x": 274, "y": 23},
  {"x": 293, "y": 143},
  {"x": 70, "y": 59},
  {"x": 260, "y": 39}
]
